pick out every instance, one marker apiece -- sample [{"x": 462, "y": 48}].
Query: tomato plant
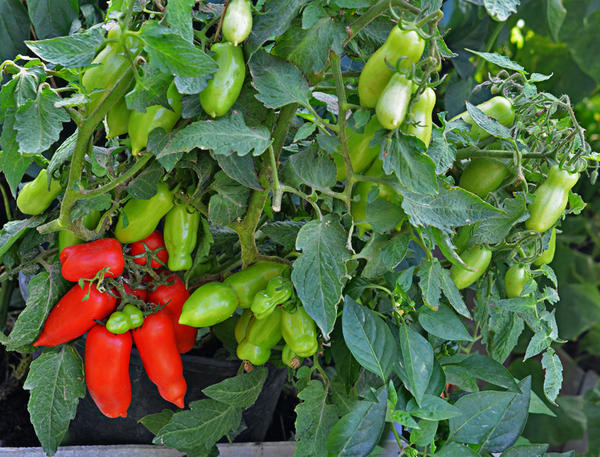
[{"x": 343, "y": 189}]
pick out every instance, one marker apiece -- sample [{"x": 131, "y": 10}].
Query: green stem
[
  {"x": 6, "y": 203},
  {"x": 277, "y": 193},
  {"x": 303, "y": 196},
  {"x": 247, "y": 227},
  {"x": 141, "y": 162}
]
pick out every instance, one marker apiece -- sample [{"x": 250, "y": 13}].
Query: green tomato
[
  {"x": 36, "y": 196},
  {"x": 498, "y": 108},
  {"x": 247, "y": 283},
  {"x": 142, "y": 216},
  {"x": 265, "y": 332},
  {"x": 117, "y": 119},
  {"x": 118, "y": 323},
  {"x": 278, "y": 291},
  {"x": 550, "y": 199},
  {"x": 420, "y": 114},
  {"x": 256, "y": 355},
  {"x": 361, "y": 153},
  {"x": 156, "y": 116},
  {"x": 135, "y": 316},
  {"x": 237, "y": 22},
  {"x": 241, "y": 325},
  {"x": 181, "y": 232},
  {"x": 483, "y": 176},
  {"x": 299, "y": 332},
  {"x": 210, "y": 304},
  {"x": 402, "y": 48},
  {"x": 290, "y": 359},
  {"x": 392, "y": 105},
  {"x": 547, "y": 256},
  {"x": 515, "y": 279},
  {"x": 477, "y": 258},
  {"x": 226, "y": 84}
]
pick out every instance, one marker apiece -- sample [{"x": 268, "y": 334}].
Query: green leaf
[
  {"x": 369, "y": 338},
  {"x": 13, "y": 33},
  {"x": 283, "y": 232},
  {"x": 414, "y": 169},
  {"x": 230, "y": 201},
  {"x": 443, "y": 323},
  {"x": 424, "y": 435},
  {"x": 441, "y": 151},
  {"x": 173, "y": 54},
  {"x": 150, "y": 89},
  {"x": 494, "y": 229},
  {"x": 452, "y": 449},
  {"x": 278, "y": 82},
  {"x": 578, "y": 309},
  {"x": 451, "y": 207},
  {"x": 314, "y": 420},
  {"x": 497, "y": 59},
  {"x": 309, "y": 49},
  {"x": 56, "y": 383},
  {"x": 509, "y": 428},
  {"x": 277, "y": 17},
  {"x": 179, "y": 18},
  {"x": 62, "y": 154},
  {"x": 240, "y": 168},
  {"x": 318, "y": 274},
  {"x": 375, "y": 268},
  {"x": 69, "y": 51},
  {"x": 196, "y": 431},
  {"x": 241, "y": 390},
  {"x": 383, "y": 215},
  {"x": 12, "y": 163},
  {"x": 357, "y": 433},
  {"x": 223, "y": 136},
  {"x": 555, "y": 16},
  {"x": 416, "y": 361},
  {"x": 506, "y": 327},
  {"x": 395, "y": 250},
  {"x": 487, "y": 123},
  {"x": 314, "y": 170},
  {"x": 527, "y": 450},
  {"x": 487, "y": 369},
  {"x": 85, "y": 205},
  {"x": 39, "y": 123},
  {"x": 12, "y": 231},
  {"x": 45, "y": 289},
  {"x": 453, "y": 295},
  {"x": 553, "y": 374},
  {"x": 311, "y": 14},
  {"x": 51, "y": 18},
  {"x": 501, "y": 10},
  {"x": 429, "y": 274},
  {"x": 144, "y": 185},
  {"x": 154, "y": 422},
  {"x": 432, "y": 408}
]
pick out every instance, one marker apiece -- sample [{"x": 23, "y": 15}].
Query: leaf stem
[{"x": 6, "y": 202}]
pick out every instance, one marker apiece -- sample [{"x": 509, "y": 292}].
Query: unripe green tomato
[
  {"x": 265, "y": 332},
  {"x": 35, "y": 196},
  {"x": 420, "y": 113},
  {"x": 156, "y": 116},
  {"x": 248, "y": 282},
  {"x": 237, "y": 23},
  {"x": 476, "y": 257},
  {"x": 226, "y": 84},
  {"x": 299, "y": 332},
  {"x": 498, "y": 108},
  {"x": 68, "y": 238},
  {"x": 547, "y": 256},
  {"x": 406, "y": 46},
  {"x": 241, "y": 325},
  {"x": 135, "y": 315},
  {"x": 181, "y": 232},
  {"x": 256, "y": 355},
  {"x": 483, "y": 176},
  {"x": 361, "y": 153},
  {"x": 515, "y": 279},
  {"x": 118, "y": 323},
  {"x": 290, "y": 359},
  {"x": 143, "y": 215},
  {"x": 210, "y": 304},
  {"x": 117, "y": 119},
  {"x": 550, "y": 199},
  {"x": 393, "y": 103},
  {"x": 110, "y": 65}
]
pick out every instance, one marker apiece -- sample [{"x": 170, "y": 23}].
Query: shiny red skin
[
  {"x": 173, "y": 297},
  {"x": 155, "y": 341},
  {"x": 86, "y": 260},
  {"x": 154, "y": 241},
  {"x": 107, "y": 370},
  {"x": 72, "y": 317},
  {"x": 142, "y": 294}
]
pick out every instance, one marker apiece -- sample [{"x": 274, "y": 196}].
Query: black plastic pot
[{"x": 90, "y": 426}]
